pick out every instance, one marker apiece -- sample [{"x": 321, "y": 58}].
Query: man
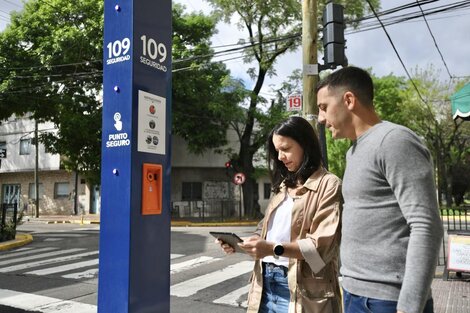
[{"x": 391, "y": 230}]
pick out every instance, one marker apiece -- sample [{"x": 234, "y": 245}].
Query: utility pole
[
  {"x": 36, "y": 169},
  {"x": 309, "y": 60},
  {"x": 334, "y": 55},
  {"x": 75, "y": 195},
  {"x": 310, "y": 71}
]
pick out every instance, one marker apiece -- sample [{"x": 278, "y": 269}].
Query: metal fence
[
  {"x": 9, "y": 214},
  {"x": 454, "y": 221},
  {"x": 207, "y": 210}
]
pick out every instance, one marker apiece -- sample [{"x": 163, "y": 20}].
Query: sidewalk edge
[{"x": 20, "y": 240}]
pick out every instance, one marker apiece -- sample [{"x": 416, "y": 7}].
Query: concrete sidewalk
[{"x": 451, "y": 296}]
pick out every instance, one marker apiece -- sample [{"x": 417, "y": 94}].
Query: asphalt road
[{"x": 58, "y": 271}]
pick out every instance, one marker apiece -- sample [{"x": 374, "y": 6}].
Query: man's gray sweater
[{"x": 391, "y": 231}]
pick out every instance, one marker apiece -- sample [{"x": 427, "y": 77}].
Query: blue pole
[{"x": 134, "y": 269}]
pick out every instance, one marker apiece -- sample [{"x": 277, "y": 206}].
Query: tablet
[{"x": 230, "y": 238}]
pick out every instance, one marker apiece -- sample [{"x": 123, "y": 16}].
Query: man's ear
[{"x": 349, "y": 100}]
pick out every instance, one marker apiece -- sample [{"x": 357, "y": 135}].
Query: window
[
  {"x": 25, "y": 146},
  {"x": 32, "y": 191},
  {"x": 192, "y": 191},
  {"x": 267, "y": 190},
  {"x": 3, "y": 149},
  {"x": 61, "y": 190}
]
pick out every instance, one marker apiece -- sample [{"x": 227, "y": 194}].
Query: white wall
[{"x": 11, "y": 132}]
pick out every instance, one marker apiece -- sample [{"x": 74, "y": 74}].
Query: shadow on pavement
[{"x": 7, "y": 309}]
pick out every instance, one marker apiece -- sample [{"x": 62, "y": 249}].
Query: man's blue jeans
[
  {"x": 358, "y": 304},
  {"x": 276, "y": 294}
]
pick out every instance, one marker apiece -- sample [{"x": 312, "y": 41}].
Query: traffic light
[
  {"x": 333, "y": 35},
  {"x": 228, "y": 164}
]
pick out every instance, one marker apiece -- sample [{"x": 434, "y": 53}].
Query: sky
[
  {"x": 367, "y": 49},
  {"x": 372, "y": 49}
]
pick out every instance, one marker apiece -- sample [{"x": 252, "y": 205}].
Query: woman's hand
[
  {"x": 256, "y": 247},
  {"x": 228, "y": 249}
]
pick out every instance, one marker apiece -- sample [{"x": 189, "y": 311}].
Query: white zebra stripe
[
  {"x": 25, "y": 252},
  {"x": 92, "y": 273},
  {"x": 32, "y": 302},
  {"x": 45, "y": 262},
  {"x": 40, "y": 256},
  {"x": 186, "y": 265},
  {"x": 232, "y": 297},
  {"x": 64, "y": 268},
  {"x": 192, "y": 286}
]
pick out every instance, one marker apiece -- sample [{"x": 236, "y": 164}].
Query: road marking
[
  {"x": 53, "y": 239},
  {"x": 175, "y": 256},
  {"x": 45, "y": 262},
  {"x": 232, "y": 297},
  {"x": 186, "y": 265},
  {"x": 59, "y": 235},
  {"x": 25, "y": 251},
  {"x": 39, "y": 256},
  {"x": 92, "y": 273},
  {"x": 64, "y": 268},
  {"x": 192, "y": 286},
  {"x": 32, "y": 302}
]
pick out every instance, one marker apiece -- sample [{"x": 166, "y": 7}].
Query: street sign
[
  {"x": 3, "y": 153},
  {"x": 239, "y": 178},
  {"x": 294, "y": 102}
]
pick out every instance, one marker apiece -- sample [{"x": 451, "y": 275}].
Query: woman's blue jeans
[
  {"x": 358, "y": 304},
  {"x": 276, "y": 294}
]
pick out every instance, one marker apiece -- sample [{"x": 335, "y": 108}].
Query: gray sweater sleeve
[{"x": 407, "y": 165}]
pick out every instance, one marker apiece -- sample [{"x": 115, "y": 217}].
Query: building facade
[{"x": 18, "y": 168}]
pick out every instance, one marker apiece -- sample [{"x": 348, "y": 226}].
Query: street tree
[
  {"x": 428, "y": 111},
  {"x": 51, "y": 66},
  {"x": 273, "y": 28},
  {"x": 205, "y": 97}
]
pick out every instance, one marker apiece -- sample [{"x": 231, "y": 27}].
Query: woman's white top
[{"x": 279, "y": 227}]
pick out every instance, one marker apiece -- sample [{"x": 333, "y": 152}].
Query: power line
[
  {"x": 434, "y": 39},
  {"x": 396, "y": 52},
  {"x": 404, "y": 17}
]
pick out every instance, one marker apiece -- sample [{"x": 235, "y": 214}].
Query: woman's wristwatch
[{"x": 278, "y": 250}]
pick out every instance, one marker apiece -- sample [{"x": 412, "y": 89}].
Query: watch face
[{"x": 278, "y": 250}]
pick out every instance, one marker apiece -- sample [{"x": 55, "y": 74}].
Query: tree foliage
[
  {"x": 51, "y": 66},
  {"x": 429, "y": 115},
  {"x": 205, "y": 97}
]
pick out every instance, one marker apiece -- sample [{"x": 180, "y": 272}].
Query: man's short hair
[{"x": 353, "y": 79}]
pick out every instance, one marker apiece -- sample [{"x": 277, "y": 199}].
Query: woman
[{"x": 296, "y": 244}]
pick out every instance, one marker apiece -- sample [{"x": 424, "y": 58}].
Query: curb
[
  {"x": 173, "y": 223},
  {"x": 20, "y": 240}
]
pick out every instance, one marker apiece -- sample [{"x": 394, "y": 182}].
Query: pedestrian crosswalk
[{"x": 191, "y": 274}]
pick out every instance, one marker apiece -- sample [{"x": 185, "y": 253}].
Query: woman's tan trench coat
[{"x": 316, "y": 226}]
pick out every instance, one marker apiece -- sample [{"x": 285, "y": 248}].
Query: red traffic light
[{"x": 228, "y": 164}]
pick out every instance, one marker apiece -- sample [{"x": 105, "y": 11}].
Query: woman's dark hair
[{"x": 302, "y": 132}]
